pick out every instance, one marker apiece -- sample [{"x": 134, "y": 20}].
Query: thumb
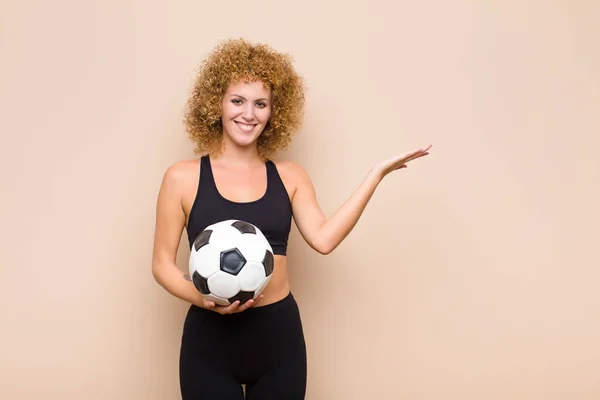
[{"x": 209, "y": 303}]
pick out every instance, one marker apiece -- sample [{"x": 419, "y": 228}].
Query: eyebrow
[{"x": 237, "y": 95}]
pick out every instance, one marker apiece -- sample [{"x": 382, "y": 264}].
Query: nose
[{"x": 248, "y": 113}]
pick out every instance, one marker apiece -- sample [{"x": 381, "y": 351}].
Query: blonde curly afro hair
[{"x": 233, "y": 61}]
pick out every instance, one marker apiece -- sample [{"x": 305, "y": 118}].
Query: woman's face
[{"x": 246, "y": 111}]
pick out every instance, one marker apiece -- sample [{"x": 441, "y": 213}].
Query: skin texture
[{"x": 238, "y": 167}]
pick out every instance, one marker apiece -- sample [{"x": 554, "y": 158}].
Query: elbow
[
  {"x": 323, "y": 248},
  {"x": 324, "y": 252},
  {"x": 157, "y": 269}
]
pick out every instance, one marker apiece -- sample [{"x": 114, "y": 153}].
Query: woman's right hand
[{"x": 235, "y": 307}]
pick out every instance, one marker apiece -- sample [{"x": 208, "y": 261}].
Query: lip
[{"x": 238, "y": 123}]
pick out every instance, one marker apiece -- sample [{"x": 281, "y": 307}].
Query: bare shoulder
[
  {"x": 182, "y": 170},
  {"x": 180, "y": 174},
  {"x": 291, "y": 172},
  {"x": 294, "y": 177}
]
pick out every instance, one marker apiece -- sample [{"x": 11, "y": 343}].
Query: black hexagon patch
[
  {"x": 268, "y": 263},
  {"x": 200, "y": 283},
  {"x": 242, "y": 296},
  {"x": 244, "y": 227},
  {"x": 232, "y": 261},
  {"x": 202, "y": 239}
]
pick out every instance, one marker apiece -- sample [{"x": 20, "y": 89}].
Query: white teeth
[{"x": 244, "y": 127}]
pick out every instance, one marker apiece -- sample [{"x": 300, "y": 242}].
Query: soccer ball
[{"x": 231, "y": 260}]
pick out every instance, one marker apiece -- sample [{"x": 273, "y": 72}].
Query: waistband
[{"x": 287, "y": 302}]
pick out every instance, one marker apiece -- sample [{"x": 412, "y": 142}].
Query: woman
[{"x": 246, "y": 104}]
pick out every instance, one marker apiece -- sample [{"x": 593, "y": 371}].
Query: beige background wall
[{"x": 472, "y": 275}]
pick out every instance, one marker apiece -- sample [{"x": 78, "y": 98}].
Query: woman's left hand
[{"x": 399, "y": 162}]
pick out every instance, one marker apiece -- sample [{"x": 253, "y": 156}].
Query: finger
[
  {"x": 259, "y": 298},
  {"x": 415, "y": 156},
  {"x": 410, "y": 156},
  {"x": 209, "y": 303},
  {"x": 233, "y": 307},
  {"x": 246, "y": 305},
  {"x": 251, "y": 303},
  {"x": 227, "y": 309}
]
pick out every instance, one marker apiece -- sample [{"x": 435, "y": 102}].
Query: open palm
[{"x": 398, "y": 162}]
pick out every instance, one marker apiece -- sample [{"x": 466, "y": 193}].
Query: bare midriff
[{"x": 279, "y": 286}]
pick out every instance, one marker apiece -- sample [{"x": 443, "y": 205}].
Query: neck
[{"x": 234, "y": 155}]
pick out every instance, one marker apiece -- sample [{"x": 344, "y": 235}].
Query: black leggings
[{"x": 262, "y": 347}]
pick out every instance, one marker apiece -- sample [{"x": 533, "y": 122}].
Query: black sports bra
[{"x": 272, "y": 213}]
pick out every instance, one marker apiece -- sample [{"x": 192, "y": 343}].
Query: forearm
[
  {"x": 172, "y": 280},
  {"x": 340, "y": 224}
]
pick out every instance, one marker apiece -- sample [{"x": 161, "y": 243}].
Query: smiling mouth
[{"x": 246, "y": 128}]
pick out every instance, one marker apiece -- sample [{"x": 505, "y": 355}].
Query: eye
[
  {"x": 236, "y": 101},
  {"x": 261, "y": 104}
]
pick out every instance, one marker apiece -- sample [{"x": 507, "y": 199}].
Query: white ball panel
[
  {"x": 206, "y": 260},
  {"x": 251, "y": 276},
  {"x": 262, "y": 287},
  {"x": 220, "y": 224},
  {"x": 219, "y": 301},
  {"x": 224, "y": 238},
  {"x": 252, "y": 247},
  {"x": 223, "y": 285}
]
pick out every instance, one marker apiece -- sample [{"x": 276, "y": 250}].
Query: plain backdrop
[{"x": 473, "y": 274}]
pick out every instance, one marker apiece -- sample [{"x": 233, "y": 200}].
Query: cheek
[
  {"x": 227, "y": 111},
  {"x": 265, "y": 114}
]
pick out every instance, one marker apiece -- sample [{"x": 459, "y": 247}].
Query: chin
[{"x": 244, "y": 142}]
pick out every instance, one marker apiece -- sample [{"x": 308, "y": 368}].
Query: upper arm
[
  {"x": 308, "y": 215},
  {"x": 170, "y": 218}
]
